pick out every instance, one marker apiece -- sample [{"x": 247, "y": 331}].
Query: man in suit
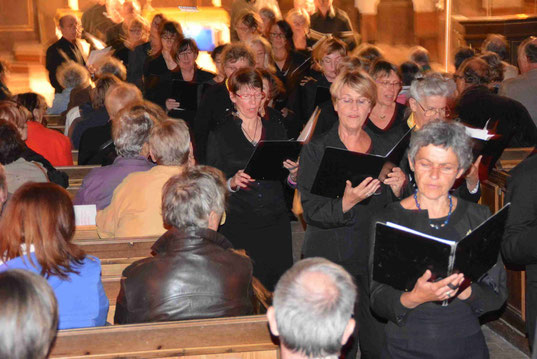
[
  {"x": 520, "y": 237},
  {"x": 523, "y": 88},
  {"x": 312, "y": 309},
  {"x": 65, "y": 49}
]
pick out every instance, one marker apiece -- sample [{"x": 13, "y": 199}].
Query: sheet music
[{"x": 85, "y": 215}]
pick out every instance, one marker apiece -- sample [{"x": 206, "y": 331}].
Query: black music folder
[
  {"x": 186, "y": 93},
  {"x": 401, "y": 255},
  {"x": 266, "y": 161},
  {"x": 339, "y": 165}
]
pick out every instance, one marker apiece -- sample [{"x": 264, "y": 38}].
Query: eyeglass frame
[
  {"x": 446, "y": 110},
  {"x": 257, "y": 96},
  {"x": 390, "y": 84},
  {"x": 358, "y": 101}
]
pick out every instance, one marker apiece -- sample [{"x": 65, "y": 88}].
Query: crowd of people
[{"x": 176, "y": 171}]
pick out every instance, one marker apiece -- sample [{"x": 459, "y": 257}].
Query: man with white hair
[{"x": 312, "y": 310}]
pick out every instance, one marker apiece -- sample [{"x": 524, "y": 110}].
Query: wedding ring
[
  {"x": 453, "y": 287},
  {"x": 448, "y": 294}
]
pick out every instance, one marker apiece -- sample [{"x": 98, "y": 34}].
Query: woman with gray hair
[
  {"x": 417, "y": 326},
  {"x": 70, "y": 75},
  {"x": 429, "y": 98},
  {"x": 194, "y": 272},
  {"x": 130, "y": 132}
]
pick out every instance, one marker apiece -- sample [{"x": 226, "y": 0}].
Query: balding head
[
  {"x": 312, "y": 308},
  {"x": 527, "y": 54},
  {"x": 70, "y": 27},
  {"x": 120, "y": 96}
]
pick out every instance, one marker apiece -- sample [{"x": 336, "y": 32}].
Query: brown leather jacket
[{"x": 193, "y": 274}]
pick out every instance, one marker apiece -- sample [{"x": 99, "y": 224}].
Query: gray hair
[
  {"x": 71, "y": 74},
  {"x": 444, "y": 134},
  {"x": 169, "y": 142},
  {"x": 312, "y": 317},
  {"x": 189, "y": 198},
  {"x": 130, "y": 130},
  {"x": 432, "y": 84},
  {"x": 113, "y": 66}
]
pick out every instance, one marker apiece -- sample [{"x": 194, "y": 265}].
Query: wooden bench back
[{"x": 237, "y": 337}]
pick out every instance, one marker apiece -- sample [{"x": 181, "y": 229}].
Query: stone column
[{"x": 395, "y": 22}]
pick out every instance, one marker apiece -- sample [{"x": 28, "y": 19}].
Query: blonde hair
[{"x": 358, "y": 81}]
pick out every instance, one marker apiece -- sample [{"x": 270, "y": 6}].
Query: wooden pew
[
  {"x": 76, "y": 175},
  {"x": 222, "y": 338},
  {"x": 74, "y": 153},
  {"x": 53, "y": 120}
]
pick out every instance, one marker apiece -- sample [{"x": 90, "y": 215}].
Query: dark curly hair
[{"x": 11, "y": 145}]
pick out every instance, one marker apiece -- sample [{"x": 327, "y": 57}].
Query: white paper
[
  {"x": 85, "y": 215},
  {"x": 478, "y": 133},
  {"x": 97, "y": 56}
]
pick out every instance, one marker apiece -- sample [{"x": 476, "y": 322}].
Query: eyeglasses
[
  {"x": 276, "y": 35},
  {"x": 433, "y": 111},
  {"x": 257, "y": 96},
  {"x": 389, "y": 84},
  {"x": 185, "y": 54},
  {"x": 348, "y": 101},
  {"x": 427, "y": 166}
]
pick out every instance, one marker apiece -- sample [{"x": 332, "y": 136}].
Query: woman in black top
[
  {"x": 338, "y": 228},
  {"x": 418, "y": 327},
  {"x": 136, "y": 35},
  {"x": 257, "y": 217}
]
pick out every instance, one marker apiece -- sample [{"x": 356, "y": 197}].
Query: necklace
[
  {"x": 436, "y": 226},
  {"x": 251, "y": 139}
]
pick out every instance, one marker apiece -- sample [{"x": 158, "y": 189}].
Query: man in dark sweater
[
  {"x": 330, "y": 20},
  {"x": 65, "y": 49}
]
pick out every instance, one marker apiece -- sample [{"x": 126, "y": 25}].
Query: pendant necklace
[{"x": 436, "y": 226}]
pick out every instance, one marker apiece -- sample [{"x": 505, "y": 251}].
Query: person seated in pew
[
  {"x": 312, "y": 310},
  {"x": 130, "y": 132},
  {"x": 135, "y": 206},
  {"x": 51, "y": 144},
  {"x": 16, "y": 114},
  {"x": 36, "y": 232},
  {"x": 71, "y": 75},
  {"x": 96, "y": 145},
  {"x": 194, "y": 273},
  {"x": 29, "y": 315}
]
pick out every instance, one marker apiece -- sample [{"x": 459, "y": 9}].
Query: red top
[{"x": 51, "y": 144}]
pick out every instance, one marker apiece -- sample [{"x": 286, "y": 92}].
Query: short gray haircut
[
  {"x": 130, "y": 130},
  {"x": 113, "y": 66},
  {"x": 311, "y": 319},
  {"x": 189, "y": 198},
  {"x": 71, "y": 74},
  {"x": 432, "y": 84},
  {"x": 446, "y": 134},
  {"x": 169, "y": 142}
]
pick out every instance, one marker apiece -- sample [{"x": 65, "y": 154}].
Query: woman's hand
[
  {"x": 473, "y": 174},
  {"x": 425, "y": 291},
  {"x": 292, "y": 167},
  {"x": 396, "y": 179},
  {"x": 171, "y": 104},
  {"x": 354, "y": 195},
  {"x": 240, "y": 179}
]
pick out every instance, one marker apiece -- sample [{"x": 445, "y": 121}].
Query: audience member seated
[
  {"x": 70, "y": 75},
  {"x": 51, "y": 144},
  {"x": 29, "y": 315},
  {"x": 497, "y": 43},
  {"x": 130, "y": 131},
  {"x": 312, "y": 309},
  {"x": 420, "y": 56},
  {"x": 136, "y": 35},
  {"x": 478, "y": 107},
  {"x": 112, "y": 66},
  {"x": 4, "y": 195},
  {"x": 36, "y": 231},
  {"x": 18, "y": 116},
  {"x": 418, "y": 325},
  {"x": 65, "y": 49},
  {"x": 523, "y": 88},
  {"x": 141, "y": 53},
  {"x": 330, "y": 20},
  {"x": 5, "y": 94},
  {"x": 18, "y": 170},
  {"x": 463, "y": 54},
  {"x": 216, "y": 103},
  {"x": 496, "y": 68},
  {"x": 248, "y": 25},
  {"x": 94, "y": 113},
  {"x": 136, "y": 202},
  {"x": 194, "y": 273},
  {"x": 96, "y": 145}
]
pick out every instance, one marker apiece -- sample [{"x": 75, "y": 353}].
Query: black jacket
[
  {"x": 193, "y": 274},
  {"x": 520, "y": 237},
  {"x": 58, "y": 53},
  {"x": 55, "y": 176}
]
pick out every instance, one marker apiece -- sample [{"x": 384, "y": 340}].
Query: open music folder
[
  {"x": 401, "y": 255},
  {"x": 339, "y": 165}
]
